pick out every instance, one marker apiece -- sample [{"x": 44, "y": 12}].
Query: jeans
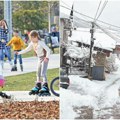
[
  {"x": 3, "y": 52},
  {"x": 15, "y": 57}
]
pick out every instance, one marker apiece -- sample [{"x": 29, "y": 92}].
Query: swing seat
[{"x": 2, "y": 81}]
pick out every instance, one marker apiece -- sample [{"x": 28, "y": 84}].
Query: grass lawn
[
  {"x": 56, "y": 51},
  {"x": 26, "y": 81}
]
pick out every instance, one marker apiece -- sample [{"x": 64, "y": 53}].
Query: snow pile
[
  {"x": 79, "y": 97},
  {"x": 95, "y": 94},
  {"x": 69, "y": 100},
  {"x": 111, "y": 63},
  {"x": 77, "y": 52}
]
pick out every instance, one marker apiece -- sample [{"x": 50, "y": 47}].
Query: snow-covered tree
[{"x": 111, "y": 64}]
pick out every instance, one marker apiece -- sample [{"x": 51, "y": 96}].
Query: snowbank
[
  {"x": 95, "y": 94},
  {"x": 77, "y": 52}
]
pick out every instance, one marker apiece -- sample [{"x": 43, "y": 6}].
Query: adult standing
[{"x": 3, "y": 41}]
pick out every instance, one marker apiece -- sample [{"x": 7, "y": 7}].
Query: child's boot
[
  {"x": 36, "y": 89},
  {"x": 21, "y": 67},
  {"x": 44, "y": 90},
  {"x": 14, "y": 68},
  {"x": 4, "y": 95}
]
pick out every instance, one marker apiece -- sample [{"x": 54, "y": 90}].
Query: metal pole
[
  {"x": 8, "y": 16},
  {"x": 91, "y": 46},
  {"x": 49, "y": 18}
]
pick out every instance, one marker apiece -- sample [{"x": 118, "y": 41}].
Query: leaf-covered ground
[{"x": 30, "y": 110}]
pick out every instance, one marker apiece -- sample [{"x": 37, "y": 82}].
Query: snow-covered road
[{"x": 96, "y": 95}]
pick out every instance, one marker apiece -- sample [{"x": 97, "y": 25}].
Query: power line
[
  {"x": 90, "y": 17},
  {"x": 82, "y": 19},
  {"x": 84, "y": 24},
  {"x": 97, "y": 9},
  {"x": 108, "y": 33},
  {"x": 89, "y": 22},
  {"x": 77, "y": 12},
  {"x": 70, "y": 7},
  {"x": 105, "y": 31},
  {"x": 116, "y": 30},
  {"x": 77, "y": 18},
  {"x": 116, "y": 37},
  {"x": 105, "y": 3}
]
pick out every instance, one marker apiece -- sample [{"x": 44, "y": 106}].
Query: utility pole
[
  {"x": 8, "y": 16},
  {"x": 49, "y": 18},
  {"x": 91, "y": 46},
  {"x": 71, "y": 21}
]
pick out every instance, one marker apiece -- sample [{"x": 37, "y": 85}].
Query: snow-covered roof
[
  {"x": 102, "y": 40},
  {"x": 118, "y": 43},
  {"x": 77, "y": 52}
]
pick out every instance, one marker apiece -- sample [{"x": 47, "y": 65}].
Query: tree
[
  {"x": 29, "y": 19},
  {"x": 30, "y": 15}
]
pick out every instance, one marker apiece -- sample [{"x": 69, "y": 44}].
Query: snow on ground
[{"x": 95, "y": 94}]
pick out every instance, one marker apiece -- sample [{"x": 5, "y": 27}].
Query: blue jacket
[{"x": 3, "y": 35}]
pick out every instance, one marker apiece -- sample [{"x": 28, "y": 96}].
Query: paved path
[
  {"x": 30, "y": 65},
  {"x": 24, "y": 96}
]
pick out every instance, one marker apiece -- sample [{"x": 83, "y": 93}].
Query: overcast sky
[{"x": 111, "y": 13}]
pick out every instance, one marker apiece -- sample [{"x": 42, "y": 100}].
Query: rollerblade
[
  {"x": 44, "y": 91},
  {"x": 4, "y": 95},
  {"x": 14, "y": 68},
  {"x": 21, "y": 67},
  {"x": 36, "y": 89}
]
